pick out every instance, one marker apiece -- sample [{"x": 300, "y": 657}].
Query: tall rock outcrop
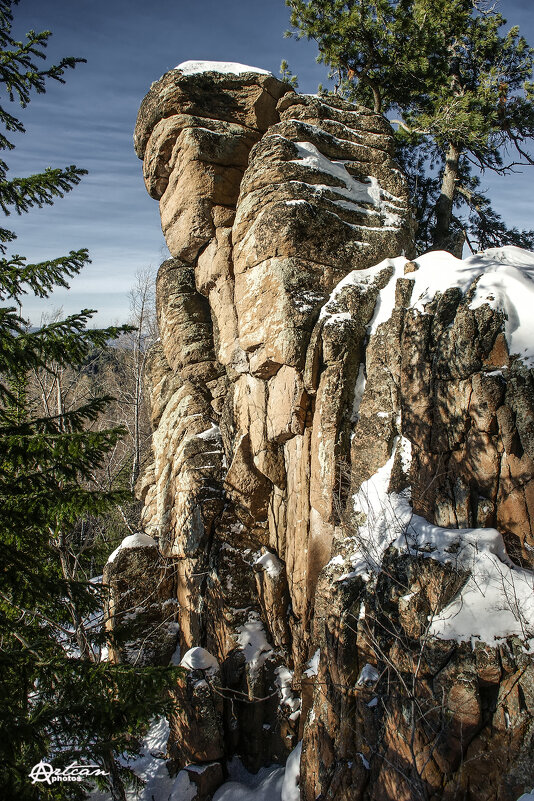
[
  {"x": 424, "y": 622},
  {"x": 325, "y": 432}
]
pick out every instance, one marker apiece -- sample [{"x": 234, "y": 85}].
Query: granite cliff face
[{"x": 343, "y": 447}]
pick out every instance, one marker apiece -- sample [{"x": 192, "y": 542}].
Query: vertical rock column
[
  {"x": 268, "y": 199},
  {"x": 322, "y": 196},
  {"x": 194, "y": 133}
]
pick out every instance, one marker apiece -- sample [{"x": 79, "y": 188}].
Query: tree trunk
[
  {"x": 86, "y": 652},
  {"x": 442, "y": 232},
  {"x": 116, "y": 784},
  {"x": 377, "y": 100},
  {"x": 138, "y": 367}
]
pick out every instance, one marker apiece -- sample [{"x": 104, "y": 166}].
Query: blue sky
[{"x": 89, "y": 122}]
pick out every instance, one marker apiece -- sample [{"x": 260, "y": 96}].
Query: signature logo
[{"x": 45, "y": 772}]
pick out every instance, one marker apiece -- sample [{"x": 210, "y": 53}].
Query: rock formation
[
  {"x": 338, "y": 448},
  {"x": 141, "y": 607}
]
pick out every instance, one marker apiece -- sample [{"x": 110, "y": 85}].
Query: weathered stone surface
[
  {"x": 214, "y": 278},
  {"x": 274, "y": 598},
  {"x": 290, "y": 531},
  {"x": 433, "y": 369},
  {"x": 323, "y": 196},
  {"x": 206, "y": 779},
  {"x": 291, "y": 373},
  {"x": 286, "y": 406},
  {"x": 194, "y": 133},
  {"x": 184, "y": 322},
  {"x": 196, "y": 722},
  {"x": 141, "y": 607}
]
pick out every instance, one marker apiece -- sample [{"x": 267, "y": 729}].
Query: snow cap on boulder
[{"x": 199, "y": 659}]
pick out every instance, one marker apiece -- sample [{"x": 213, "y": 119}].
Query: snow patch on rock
[
  {"x": 199, "y": 659},
  {"x": 284, "y": 678},
  {"x": 385, "y": 516},
  {"x": 224, "y": 67},
  {"x": 252, "y": 638},
  {"x": 138, "y": 540},
  {"x": 498, "y": 599},
  {"x": 265, "y": 785},
  {"x": 213, "y": 432},
  {"x": 368, "y": 676},
  {"x": 271, "y": 564},
  {"x": 366, "y": 198},
  {"x": 312, "y": 666},
  {"x": 501, "y": 277}
]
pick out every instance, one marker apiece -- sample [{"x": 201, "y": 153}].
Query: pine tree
[
  {"x": 462, "y": 89},
  {"x": 286, "y": 75},
  {"x": 57, "y": 700},
  {"x": 362, "y": 42}
]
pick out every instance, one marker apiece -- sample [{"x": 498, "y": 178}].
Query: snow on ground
[
  {"x": 226, "y": 67},
  {"x": 266, "y": 785},
  {"x": 505, "y": 281},
  {"x": 269, "y": 784},
  {"x": 290, "y": 786},
  {"x": 153, "y": 770},
  {"x": 273, "y": 783},
  {"x": 527, "y": 796},
  {"x": 138, "y": 540}
]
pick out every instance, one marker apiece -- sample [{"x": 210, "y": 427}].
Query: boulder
[{"x": 141, "y": 607}]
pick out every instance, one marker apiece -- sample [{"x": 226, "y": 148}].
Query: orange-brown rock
[
  {"x": 324, "y": 180},
  {"x": 305, "y": 364}
]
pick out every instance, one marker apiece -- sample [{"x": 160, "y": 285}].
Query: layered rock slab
[
  {"x": 194, "y": 132},
  {"x": 310, "y": 206},
  {"x": 324, "y": 180}
]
